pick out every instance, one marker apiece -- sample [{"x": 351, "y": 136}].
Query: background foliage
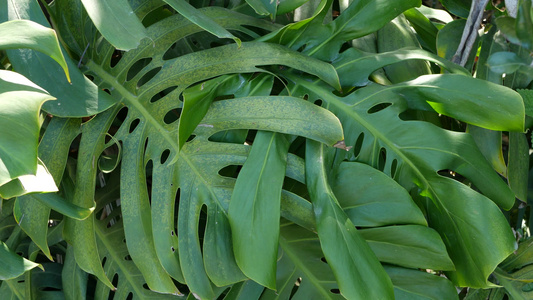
[{"x": 260, "y": 150}]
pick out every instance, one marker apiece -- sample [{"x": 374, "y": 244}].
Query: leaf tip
[{"x": 238, "y": 41}]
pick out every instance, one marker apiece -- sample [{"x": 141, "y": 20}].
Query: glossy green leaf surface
[
  {"x": 197, "y": 102},
  {"x": 264, "y": 7},
  {"x": 195, "y": 16},
  {"x": 355, "y": 266},
  {"x": 362, "y": 191},
  {"x": 518, "y": 165},
  {"x": 299, "y": 247},
  {"x": 116, "y": 21},
  {"x": 410, "y": 246},
  {"x": 27, "y": 34},
  {"x": 436, "y": 91},
  {"x": 366, "y": 63},
  {"x": 20, "y": 99},
  {"x": 254, "y": 208},
  {"x": 41, "y": 182},
  {"x": 414, "y": 284},
  {"x": 417, "y": 164},
  {"x": 79, "y": 98},
  {"x": 12, "y": 265},
  {"x": 314, "y": 160},
  {"x": 74, "y": 280},
  {"x": 359, "y": 19}
]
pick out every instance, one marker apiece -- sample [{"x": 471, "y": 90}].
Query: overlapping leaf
[
  {"x": 148, "y": 132},
  {"x": 372, "y": 117}
]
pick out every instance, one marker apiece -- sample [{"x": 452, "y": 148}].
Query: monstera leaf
[
  {"x": 224, "y": 156},
  {"x": 371, "y": 120}
]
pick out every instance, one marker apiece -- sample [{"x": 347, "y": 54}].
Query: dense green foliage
[{"x": 259, "y": 150}]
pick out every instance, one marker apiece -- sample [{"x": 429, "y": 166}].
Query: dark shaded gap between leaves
[
  {"x": 296, "y": 286},
  {"x": 258, "y": 30},
  {"x": 158, "y": 14},
  {"x": 223, "y": 294},
  {"x": 115, "y": 284},
  {"x": 115, "y": 57},
  {"x": 295, "y": 187}
]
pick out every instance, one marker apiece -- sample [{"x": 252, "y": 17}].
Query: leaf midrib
[{"x": 131, "y": 100}]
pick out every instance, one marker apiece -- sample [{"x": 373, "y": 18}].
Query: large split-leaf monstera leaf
[
  {"x": 195, "y": 147},
  {"x": 147, "y": 83},
  {"x": 372, "y": 124}
]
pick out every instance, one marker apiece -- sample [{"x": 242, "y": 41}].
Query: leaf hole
[
  {"x": 172, "y": 249},
  {"x": 382, "y": 159},
  {"x": 393, "y": 167},
  {"x": 318, "y": 102},
  {"x": 172, "y": 231},
  {"x": 358, "y": 144},
  {"x": 127, "y": 257},
  {"x": 130, "y": 296},
  {"x": 335, "y": 291},
  {"x": 162, "y": 94},
  {"x": 323, "y": 259},
  {"x": 202, "y": 222},
  {"x": 190, "y": 138},
  {"x": 90, "y": 77},
  {"x": 121, "y": 116},
  {"x": 148, "y": 76},
  {"x": 164, "y": 156},
  {"x": 137, "y": 67},
  {"x": 104, "y": 260},
  {"x": 115, "y": 58},
  {"x": 172, "y": 116},
  {"x": 149, "y": 171},
  {"x": 231, "y": 171},
  {"x": 134, "y": 125},
  {"x": 107, "y": 91},
  {"x": 378, "y": 107},
  {"x": 145, "y": 286}
]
